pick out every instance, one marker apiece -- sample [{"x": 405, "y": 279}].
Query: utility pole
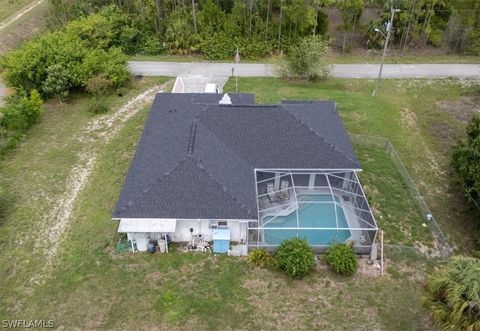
[{"x": 387, "y": 39}]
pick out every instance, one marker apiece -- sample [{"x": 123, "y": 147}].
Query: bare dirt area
[{"x": 462, "y": 109}]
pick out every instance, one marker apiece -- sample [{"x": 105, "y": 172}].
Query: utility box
[{"x": 221, "y": 240}]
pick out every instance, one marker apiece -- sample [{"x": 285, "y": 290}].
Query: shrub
[
  {"x": 465, "y": 159},
  {"x": 342, "y": 259},
  {"x": 452, "y": 294},
  {"x": 98, "y": 85},
  {"x": 295, "y": 257},
  {"x": 21, "y": 111},
  {"x": 57, "y": 83},
  {"x": 97, "y": 106},
  {"x": 223, "y": 47},
  {"x": 260, "y": 258},
  {"x": 304, "y": 60},
  {"x": 85, "y": 48}
]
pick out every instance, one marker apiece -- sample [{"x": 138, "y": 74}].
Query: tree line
[{"x": 215, "y": 28}]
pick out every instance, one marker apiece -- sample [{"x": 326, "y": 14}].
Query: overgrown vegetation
[
  {"x": 67, "y": 59},
  {"x": 295, "y": 257},
  {"x": 465, "y": 162},
  {"x": 466, "y": 158},
  {"x": 450, "y": 24},
  {"x": 215, "y": 28},
  {"x": 304, "y": 60},
  {"x": 452, "y": 294},
  {"x": 20, "y": 112},
  {"x": 342, "y": 259}
]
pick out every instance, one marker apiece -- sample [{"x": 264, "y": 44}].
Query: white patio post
[{"x": 311, "y": 181}]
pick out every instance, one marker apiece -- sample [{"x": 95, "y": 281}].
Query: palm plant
[{"x": 452, "y": 294}]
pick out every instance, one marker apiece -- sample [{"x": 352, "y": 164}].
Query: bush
[
  {"x": 20, "y": 112},
  {"x": 452, "y": 294},
  {"x": 465, "y": 159},
  {"x": 57, "y": 83},
  {"x": 97, "y": 106},
  {"x": 304, "y": 60},
  {"x": 98, "y": 85},
  {"x": 295, "y": 257},
  {"x": 66, "y": 59},
  {"x": 223, "y": 47},
  {"x": 260, "y": 258},
  {"x": 342, "y": 259}
]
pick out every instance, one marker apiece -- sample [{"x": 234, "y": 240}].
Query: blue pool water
[{"x": 310, "y": 215}]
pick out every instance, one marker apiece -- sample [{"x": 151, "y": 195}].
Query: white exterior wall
[{"x": 238, "y": 230}]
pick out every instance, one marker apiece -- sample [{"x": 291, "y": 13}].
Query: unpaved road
[
  {"x": 368, "y": 71},
  {"x": 19, "y": 14}
]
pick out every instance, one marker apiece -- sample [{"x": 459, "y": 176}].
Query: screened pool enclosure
[{"x": 322, "y": 207}]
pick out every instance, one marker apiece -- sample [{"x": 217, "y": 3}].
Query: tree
[
  {"x": 351, "y": 10},
  {"x": 452, "y": 294},
  {"x": 304, "y": 60},
  {"x": 194, "y": 16}
]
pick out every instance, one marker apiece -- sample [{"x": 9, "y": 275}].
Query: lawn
[
  {"x": 411, "y": 113},
  {"x": 331, "y": 58},
  {"x": 34, "y": 178},
  {"x": 89, "y": 286}
]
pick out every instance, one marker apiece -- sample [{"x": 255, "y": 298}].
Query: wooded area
[{"x": 215, "y": 28}]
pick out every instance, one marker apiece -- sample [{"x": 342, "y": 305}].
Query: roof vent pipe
[{"x": 225, "y": 100}]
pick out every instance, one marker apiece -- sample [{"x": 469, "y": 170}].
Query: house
[{"x": 263, "y": 173}]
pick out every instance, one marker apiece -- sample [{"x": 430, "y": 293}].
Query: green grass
[
  {"x": 407, "y": 113},
  {"x": 330, "y": 58},
  {"x": 395, "y": 211},
  {"x": 34, "y": 177},
  {"x": 92, "y": 286}
]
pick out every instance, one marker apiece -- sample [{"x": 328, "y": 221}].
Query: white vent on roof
[{"x": 225, "y": 100}]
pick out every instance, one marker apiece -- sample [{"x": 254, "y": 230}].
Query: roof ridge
[{"x": 316, "y": 133}]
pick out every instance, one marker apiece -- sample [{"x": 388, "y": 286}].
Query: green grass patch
[
  {"x": 33, "y": 177},
  {"x": 330, "y": 58},
  {"x": 395, "y": 210}
]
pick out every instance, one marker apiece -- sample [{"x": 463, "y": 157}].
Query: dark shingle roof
[{"x": 196, "y": 158}]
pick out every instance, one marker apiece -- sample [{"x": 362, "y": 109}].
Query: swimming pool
[{"x": 310, "y": 215}]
